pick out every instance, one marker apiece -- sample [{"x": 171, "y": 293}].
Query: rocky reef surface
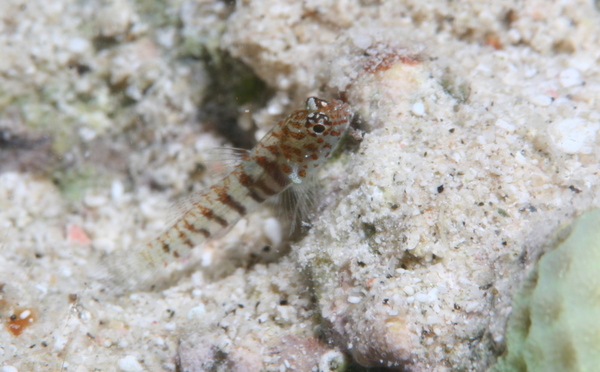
[{"x": 475, "y": 137}]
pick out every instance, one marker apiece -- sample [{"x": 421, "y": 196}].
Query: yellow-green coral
[{"x": 555, "y": 325}]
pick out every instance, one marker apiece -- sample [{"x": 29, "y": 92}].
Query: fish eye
[
  {"x": 318, "y": 128},
  {"x": 317, "y": 122}
]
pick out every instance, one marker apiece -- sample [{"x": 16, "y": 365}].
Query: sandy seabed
[{"x": 479, "y": 125}]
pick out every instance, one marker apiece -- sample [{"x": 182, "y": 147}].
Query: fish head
[{"x": 312, "y": 133}]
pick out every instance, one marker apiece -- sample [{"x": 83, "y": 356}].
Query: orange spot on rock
[
  {"x": 494, "y": 42},
  {"x": 552, "y": 93},
  {"x": 20, "y": 320},
  {"x": 370, "y": 282},
  {"x": 75, "y": 234}
]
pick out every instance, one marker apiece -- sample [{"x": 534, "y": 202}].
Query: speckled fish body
[{"x": 284, "y": 158}]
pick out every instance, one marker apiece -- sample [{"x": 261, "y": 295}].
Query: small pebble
[
  {"x": 530, "y": 72},
  {"x": 275, "y": 108},
  {"x": 471, "y": 306},
  {"x": 116, "y": 190},
  {"x": 418, "y": 109},
  {"x": 353, "y": 299},
  {"x": 422, "y": 297},
  {"x": 362, "y": 41},
  {"x": 272, "y": 229},
  {"x": 95, "y": 201},
  {"x": 9, "y": 369},
  {"x": 196, "y": 312},
  {"x": 434, "y": 319},
  {"x": 206, "y": 258},
  {"x": 505, "y": 125},
  {"x": 575, "y": 135},
  {"x": 540, "y": 100},
  {"x": 87, "y": 134},
  {"x": 263, "y": 318},
  {"x": 570, "y": 77},
  {"x": 104, "y": 244},
  {"x": 129, "y": 364},
  {"x": 78, "y": 45}
]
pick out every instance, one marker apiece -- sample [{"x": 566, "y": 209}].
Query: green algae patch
[
  {"x": 74, "y": 182},
  {"x": 555, "y": 324}
]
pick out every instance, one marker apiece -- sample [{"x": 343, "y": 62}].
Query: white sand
[{"x": 472, "y": 156}]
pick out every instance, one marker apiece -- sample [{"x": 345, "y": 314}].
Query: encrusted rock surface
[{"x": 480, "y": 137}]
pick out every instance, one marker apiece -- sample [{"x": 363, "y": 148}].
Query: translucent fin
[
  {"x": 126, "y": 272},
  {"x": 297, "y": 202},
  {"x": 180, "y": 207},
  {"x": 147, "y": 266},
  {"x": 221, "y": 161}
]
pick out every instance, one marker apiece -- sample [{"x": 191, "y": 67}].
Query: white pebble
[
  {"x": 9, "y": 369},
  {"x": 263, "y": 318},
  {"x": 409, "y": 290},
  {"x": 332, "y": 360},
  {"x": 433, "y": 319},
  {"x": 95, "y": 201},
  {"x": 362, "y": 41},
  {"x": 206, "y": 258},
  {"x": 133, "y": 92},
  {"x": 196, "y": 312},
  {"x": 149, "y": 209},
  {"x": 272, "y": 229},
  {"x": 116, "y": 190},
  {"x": 530, "y": 72},
  {"x": 353, "y": 299},
  {"x": 78, "y": 45},
  {"x": 87, "y": 134},
  {"x": 42, "y": 288},
  {"x": 583, "y": 62},
  {"x": 570, "y": 77},
  {"x": 274, "y": 108},
  {"x": 514, "y": 36},
  {"x": 283, "y": 82},
  {"x": 25, "y": 314},
  {"x": 286, "y": 312},
  {"x": 104, "y": 245},
  {"x": 418, "y": 109},
  {"x": 540, "y": 100},
  {"x": 422, "y": 297},
  {"x": 505, "y": 125},
  {"x": 259, "y": 134},
  {"x": 574, "y": 135},
  {"x": 471, "y": 306},
  {"x": 392, "y": 312},
  {"x": 130, "y": 364},
  {"x": 59, "y": 342}
]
